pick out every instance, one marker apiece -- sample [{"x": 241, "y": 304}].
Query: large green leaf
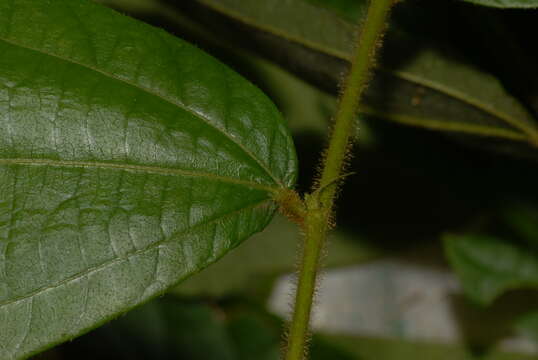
[
  {"x": 521, "y": 4},
  {"x": 418, "y": 82},
  {"x": 129, "y": 160},
  {"x": 488, "y": 266}
]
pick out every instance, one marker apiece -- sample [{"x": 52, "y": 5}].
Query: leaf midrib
[
  {"x": 135, "y": 168},
  {"x": 436, "y": 124},
  {"x": 197, "y": 115},
  {"x": 402, "y": 75},
  {"x": 127, "y": 257}
]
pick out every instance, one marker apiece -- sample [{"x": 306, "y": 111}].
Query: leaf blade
[
  {"x": 130, "y": 160},
  {"x": 485, "y": 108}
]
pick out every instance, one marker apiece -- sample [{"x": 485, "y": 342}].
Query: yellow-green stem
[
  {"x": 319, "y": 204},
  {"x": 356, "y": 81},
  {"x": 315, "y": 229}
]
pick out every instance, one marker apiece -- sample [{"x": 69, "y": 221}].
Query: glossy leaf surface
[
  {"x": 417, "y": 83},
  {"x": 129, "y": 160}
]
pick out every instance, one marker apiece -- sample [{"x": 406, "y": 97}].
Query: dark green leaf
[
  {"x": 521, "y": 4},
  {"x": 488, "y": 266},
  {"x": 418, "y": 82},
  {"x": 129, "y": 160}
]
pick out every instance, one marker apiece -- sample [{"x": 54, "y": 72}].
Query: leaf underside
[
  {"x": 417, "y": 82},
  {"x": 129, "y": 160}
]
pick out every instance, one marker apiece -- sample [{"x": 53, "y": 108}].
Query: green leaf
[
  {"x": 518, "y": 4},
  {"x": 129, "y": 160},
  {"x": 488, "y": 266},
  {"x": 418, "y": 82}
]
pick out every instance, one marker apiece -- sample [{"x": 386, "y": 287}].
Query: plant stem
[
  {"x": 315, "y": 230},
  {"x": 363, "y": 59},
  {"x": 320, "y": 203}
]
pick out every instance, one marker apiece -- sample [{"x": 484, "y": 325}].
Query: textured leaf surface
[
  {"x": 488, "y": 266},
  {"x": 129, "y": 160},
  {"x": 417, "y": 83},
  {"x": 521, "y": 4}
]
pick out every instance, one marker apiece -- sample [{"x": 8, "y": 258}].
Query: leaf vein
[
  {"x": 127, "y": 257},
  {"x": 173, "y": 102},
  {"x": 136, "y": 168}
]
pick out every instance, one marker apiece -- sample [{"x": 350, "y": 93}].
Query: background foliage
[{"x": 445, "y": 159}]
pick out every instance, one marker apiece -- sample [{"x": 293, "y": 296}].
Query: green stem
[
  {"x": 315, "y": 230},
  {"x": 363, "y": 59},
  {"x": 320, "y": 203}
]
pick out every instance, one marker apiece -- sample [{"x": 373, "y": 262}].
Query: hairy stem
[{"x": 319, "y": 204}]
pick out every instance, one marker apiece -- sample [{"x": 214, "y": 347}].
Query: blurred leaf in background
[
  {"x": 419, "y": 81},
  {"x": 489, "y": 266},
  {"x": 495, "y": 270}
]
